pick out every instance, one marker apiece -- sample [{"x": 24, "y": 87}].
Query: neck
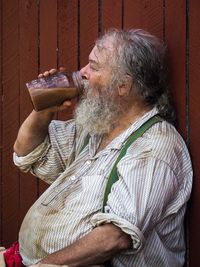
[{"x": 128, "y": 117}]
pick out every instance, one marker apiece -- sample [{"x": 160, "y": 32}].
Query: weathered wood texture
[
  {"x": 28, "y": 69},
  {"x": 10, "y": 118},
  {"x": 176, "y": 41},
  {"x": 47, "y": 43},
  {"x": 194, "y": 128},
  {"x": 68, "y": 37},
  {"x": 42, "y": 34},
  {"x": 1, "y": 123}
]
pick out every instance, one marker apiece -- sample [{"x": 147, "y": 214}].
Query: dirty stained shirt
[{"x": 148, "y": 201}]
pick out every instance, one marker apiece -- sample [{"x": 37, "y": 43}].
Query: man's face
[
  {"x": 101, "y": 105},
  {"x": 98, "y": 71},
  {"x": 98, "y": 108}
]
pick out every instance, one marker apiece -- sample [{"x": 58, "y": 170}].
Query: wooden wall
[{"x": 40, "y": 34}]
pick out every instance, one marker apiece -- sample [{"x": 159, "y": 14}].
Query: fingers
[
  {"x": 52, "y": 71},
  {"x": 62, "y": 69},
  {"x": 40, "y": 75},
  {"x": 49, "y": 72},
  {"x": 65, "y": 105}
]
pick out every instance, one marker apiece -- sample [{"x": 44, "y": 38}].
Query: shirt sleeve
[
  {"x": 51, "y": 157},
  {"x": 140, "y": 198}
]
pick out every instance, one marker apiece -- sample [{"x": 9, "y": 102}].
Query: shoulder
[
  {"x": 66, "y": 134},
  {"x": 64, "y": 128},
  {"x": 163, "y": 143},
  {"x": 57, "y": 125}
]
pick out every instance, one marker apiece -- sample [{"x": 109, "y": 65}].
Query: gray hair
[{"x": 142, "y": 56}]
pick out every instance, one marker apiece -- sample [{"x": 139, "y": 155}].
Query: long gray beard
[{"x": 97, "y": 113}]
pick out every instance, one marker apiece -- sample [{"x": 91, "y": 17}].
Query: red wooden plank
[
  {"x": 194, "y": 117},
  {"x": 10, "y": 117},
  {"x": 1, "y": 109},
  {"x": 147, "y": 15},
  {"x": 176, "y": 42},
  {"x": 48, "y": 43},
  {"x": 88, "y": 28},
  {"x": 67, "y": 41},
  {"x": 48, "y": 34},
  {"x": 111, "y": 14},
  {"x": 28, "y": 45},
  {"x": 68, "y": 34}
]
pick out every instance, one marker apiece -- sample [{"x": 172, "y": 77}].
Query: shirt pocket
[
  {"x": 58, "y": 195},
  {"x": 89, "y": 198}
]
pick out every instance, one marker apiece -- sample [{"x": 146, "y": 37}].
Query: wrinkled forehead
[{"x": 102, "y": 52}]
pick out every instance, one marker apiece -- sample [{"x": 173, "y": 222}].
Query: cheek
[
  {"x": 95, "y": 79},
  {"x": 99, "y": 80},
  {"x": 93, "y": 92}
]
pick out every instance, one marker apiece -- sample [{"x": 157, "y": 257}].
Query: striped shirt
[{"x": 148, "y": 201}]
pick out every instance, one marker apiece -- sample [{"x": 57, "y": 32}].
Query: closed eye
[{"x": 94, "y": 68}]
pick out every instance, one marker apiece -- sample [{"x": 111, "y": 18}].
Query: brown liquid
[{"x": 43, "y": 98}]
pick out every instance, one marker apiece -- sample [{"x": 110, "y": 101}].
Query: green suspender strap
[
  {"x": 113, "y": 177},
  {"x": 86, "y": 142}
]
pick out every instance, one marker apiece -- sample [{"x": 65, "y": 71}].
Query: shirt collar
[{"x": 118, "y": 142}]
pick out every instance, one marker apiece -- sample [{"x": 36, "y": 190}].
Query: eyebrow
[{"x": 93, "y": 61}]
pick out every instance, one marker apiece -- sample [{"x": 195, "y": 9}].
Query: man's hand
[
  {"x": 2, "y": 261},
  {"x": 47, "y": 265},
  {"x": 50, "y": 265},
  {"x": 66, "y": 103}
]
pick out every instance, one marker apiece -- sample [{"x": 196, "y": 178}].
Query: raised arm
[
  {"x": 32, "y": 132},
  {"x": 34, "y": 129}
]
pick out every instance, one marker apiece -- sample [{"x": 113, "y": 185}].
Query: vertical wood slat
[
  {"x": 48, "y": 34},
  {"x": 48, "y": 44},
  {"x": 146, "y": 15},
  {"x": 68, "y": 34},
  {"x": 194, "y": 118},
  {"x": 112, "y": 16},
  {"x": 67, "y": 42},
  {"x": 10, "y": 117},
  {"x": 137, "y": 14},
  {"x": 1, "y": 126},
  {"x": 177, "y": 57},
  {"x": 28, "y": 49},
  {"x": 88, "y": 28}
]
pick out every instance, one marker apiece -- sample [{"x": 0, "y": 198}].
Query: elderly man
[{"x": 142, "y": 223}]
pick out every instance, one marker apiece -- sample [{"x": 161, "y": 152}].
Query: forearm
[
  {"x": 101, "y": 244},
  {"x": 32, "y": 132}
]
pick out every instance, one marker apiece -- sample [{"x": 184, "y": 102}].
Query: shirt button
[
  {"x": 73, "y": 177},
  {"x": 118, "y": 146},
  {"x": 107, "y": 210},
  {"x": 88, "y": 162}
]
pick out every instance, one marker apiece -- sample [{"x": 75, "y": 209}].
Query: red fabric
[{"x": 12, "y": 256}]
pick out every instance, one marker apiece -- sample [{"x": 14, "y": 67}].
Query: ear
[{"x": 125, "y": 88}]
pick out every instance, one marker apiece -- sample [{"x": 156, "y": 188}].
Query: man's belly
[{"x": 46, "y": 229}]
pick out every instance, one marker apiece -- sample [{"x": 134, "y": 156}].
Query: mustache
[
  {"x": 85, "y": 83},
  {"x": 92, "y": 92}
]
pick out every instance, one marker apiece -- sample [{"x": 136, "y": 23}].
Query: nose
[{"x": 85, "y": 72}]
